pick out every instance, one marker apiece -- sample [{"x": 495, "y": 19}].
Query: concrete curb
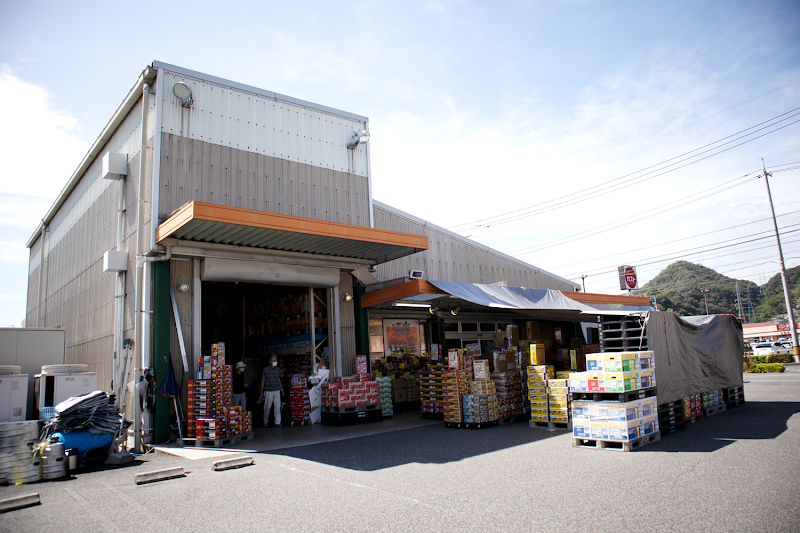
[
  {"x": 19, "y": 502},
  {"x": 159, "y": 475},
  {"x": 228, "y": 464}
]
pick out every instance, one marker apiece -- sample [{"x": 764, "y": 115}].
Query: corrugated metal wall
[
  {"x": 230, "y": 117},
  {"x": 451, "y": 259},
  {"x": 347, "y": 325},
  {"x": 197, "y": 170},
  {"x": 79, "y": 296},
  {"x": 181, "y": 272}
]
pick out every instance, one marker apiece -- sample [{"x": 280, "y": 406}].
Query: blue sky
[{"x": 476, "y": 109}]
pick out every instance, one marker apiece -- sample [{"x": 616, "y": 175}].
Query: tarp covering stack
[{"x": 695, "y": 354}]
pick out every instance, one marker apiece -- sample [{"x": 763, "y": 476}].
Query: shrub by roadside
[{"x": 763, "y": 368}]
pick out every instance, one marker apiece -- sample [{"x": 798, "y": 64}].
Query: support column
[
  {"x": 362, "y": 322},
  {"x": 161, "y": 317}
]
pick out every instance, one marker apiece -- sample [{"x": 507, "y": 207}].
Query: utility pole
[
  {"x": 583, "y": 282},
  {"x": 655, "y": 300},
  {"x": 705, "y": 295},
  {"x": 787, "y": 296},
  {"x": 739, "y": 302}
]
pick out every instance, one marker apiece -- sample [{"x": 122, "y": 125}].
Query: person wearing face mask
[
  {"x": 271, "y": 390},
  {"x": 239, "y": 386}
]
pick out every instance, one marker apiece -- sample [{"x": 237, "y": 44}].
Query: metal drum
[{"x": 54, "y": 461}]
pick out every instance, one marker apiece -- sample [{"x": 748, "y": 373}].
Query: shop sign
[{"x": 627, "y": 278}]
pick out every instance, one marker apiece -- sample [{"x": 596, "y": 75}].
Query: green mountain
[
  {"x": 773, "y": 304},
  {"x": 677, "y": 289}
]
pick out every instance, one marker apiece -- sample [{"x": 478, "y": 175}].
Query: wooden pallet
[
  {"x": 470, "y": 425},
  {"x": 351, "y": 409},
  {"x": 617, "y": 445},
  {"x": 536, "y": 424},
  {"x": 218, "y": 443},
  {"x": 708, "y": 411},
  {"x": 431, "y": 416},
  {"x": 619, "y": 397},
  {"x": 735, "y": 403}
]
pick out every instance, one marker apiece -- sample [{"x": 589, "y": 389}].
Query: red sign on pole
[{"x": 627, "y": 278}]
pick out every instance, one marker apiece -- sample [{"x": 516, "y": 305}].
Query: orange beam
[
  {"x": 398, "y": 292},
  {"x": 259, "y": 219},
  {"x": 594, "y": 298}
]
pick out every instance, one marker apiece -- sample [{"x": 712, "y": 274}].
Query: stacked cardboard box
[
  {"x": 695, "y": 409},
  {"x": 614, "y": 421},
  {"x": 615, "y": 372},
  {"x": 508, "y": 386},
  {"x": 431, "y": 400},
  {"x": 558, "y": 401},
  {"x": 385, "y": 388},
  {"x": 349, "y": 391},
  {"x": 480, "y": 405},
  {"x": 211, "y": 415},
  {"x": 299, "y": 402},
  {"x": 455, "y": 383},
  {"x": 537, "y": 391},
  {"x": 712, "y": 399}
]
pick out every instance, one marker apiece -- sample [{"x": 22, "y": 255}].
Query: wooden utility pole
[{"x": 787, "y": 296}]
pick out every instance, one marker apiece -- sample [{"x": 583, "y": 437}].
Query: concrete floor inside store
[{"x": 276, "y": 438}]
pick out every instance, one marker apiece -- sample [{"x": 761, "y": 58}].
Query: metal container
[
  {"x": 55, "y": 449},
  {"x": 72, "y": 459}
]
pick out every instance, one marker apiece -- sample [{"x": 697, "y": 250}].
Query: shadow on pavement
[
  {"x": 753, "y": 420},
  {"x": 433, "y": 444}
]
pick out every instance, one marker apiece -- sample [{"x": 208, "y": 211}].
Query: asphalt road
[{"x": 735, "y": 471}]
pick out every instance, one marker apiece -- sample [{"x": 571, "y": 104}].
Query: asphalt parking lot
[{"x": 735, "y": 471}]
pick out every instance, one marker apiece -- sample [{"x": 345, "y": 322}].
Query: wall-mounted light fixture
[
  {"x": 454, "y": 311},
  {"x": 183, "y": 93},
  {"x": 183, "y": 287},
  {"x": 358, "y": 137},
  {"x": 347, "y": 297},
  {"x": 410, "y": 304}
]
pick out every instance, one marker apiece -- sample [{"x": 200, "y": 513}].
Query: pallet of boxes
[
  {"x": 431, "y": 399},
  {"x": 614, "y": 403},
  {"x": 212, "y": 420},
  {"x": 351, "y": 400},
  {"x": 468, "y": 402}
]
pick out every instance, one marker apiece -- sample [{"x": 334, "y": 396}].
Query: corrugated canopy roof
[{"x": 211, "y": 223}]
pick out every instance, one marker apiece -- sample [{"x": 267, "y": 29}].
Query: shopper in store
[
  {"x": 239, "y": 386},
  {"x": 272, "y": 389}
]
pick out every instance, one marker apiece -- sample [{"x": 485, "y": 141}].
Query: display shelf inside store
[{"x": 284, "y": 340}]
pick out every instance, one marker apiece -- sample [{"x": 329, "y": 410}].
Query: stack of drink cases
[
  {"x": 351, "y": 391},
  {"x": 385, "y": 387},
  {"x": 299, "y": 402},
  {"x": 211, "y": 415},
  {"x": 548, "y": 392},
  {"x": 430, "y": 386},
  {"x": 614, "y": 420},
  {"x": 481, "y": 405}
]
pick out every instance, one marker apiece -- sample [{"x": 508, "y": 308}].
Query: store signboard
[
  {"x": 627, "y": 278},
  {"x": 402, "y": 336}
]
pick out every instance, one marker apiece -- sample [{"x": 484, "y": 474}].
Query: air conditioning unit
[
  {"x": 57, "y": 383},
  {"x": 13, "y": 394},
  {"x": 416, "y": 274}
]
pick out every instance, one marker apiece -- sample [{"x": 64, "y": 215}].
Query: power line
[
  {"x": 738, "y": 252},
  {"x": 676, "y": 240},
  {"x": 684, "y": 126},
  {"x": 538, "y": 209},
  {"x": 639, "y": 263}
]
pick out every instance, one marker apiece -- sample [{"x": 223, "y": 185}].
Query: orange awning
[{"x": 211, "y": 223}]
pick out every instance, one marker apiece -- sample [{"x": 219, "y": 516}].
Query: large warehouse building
[{"x": 249, "y": 216}]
